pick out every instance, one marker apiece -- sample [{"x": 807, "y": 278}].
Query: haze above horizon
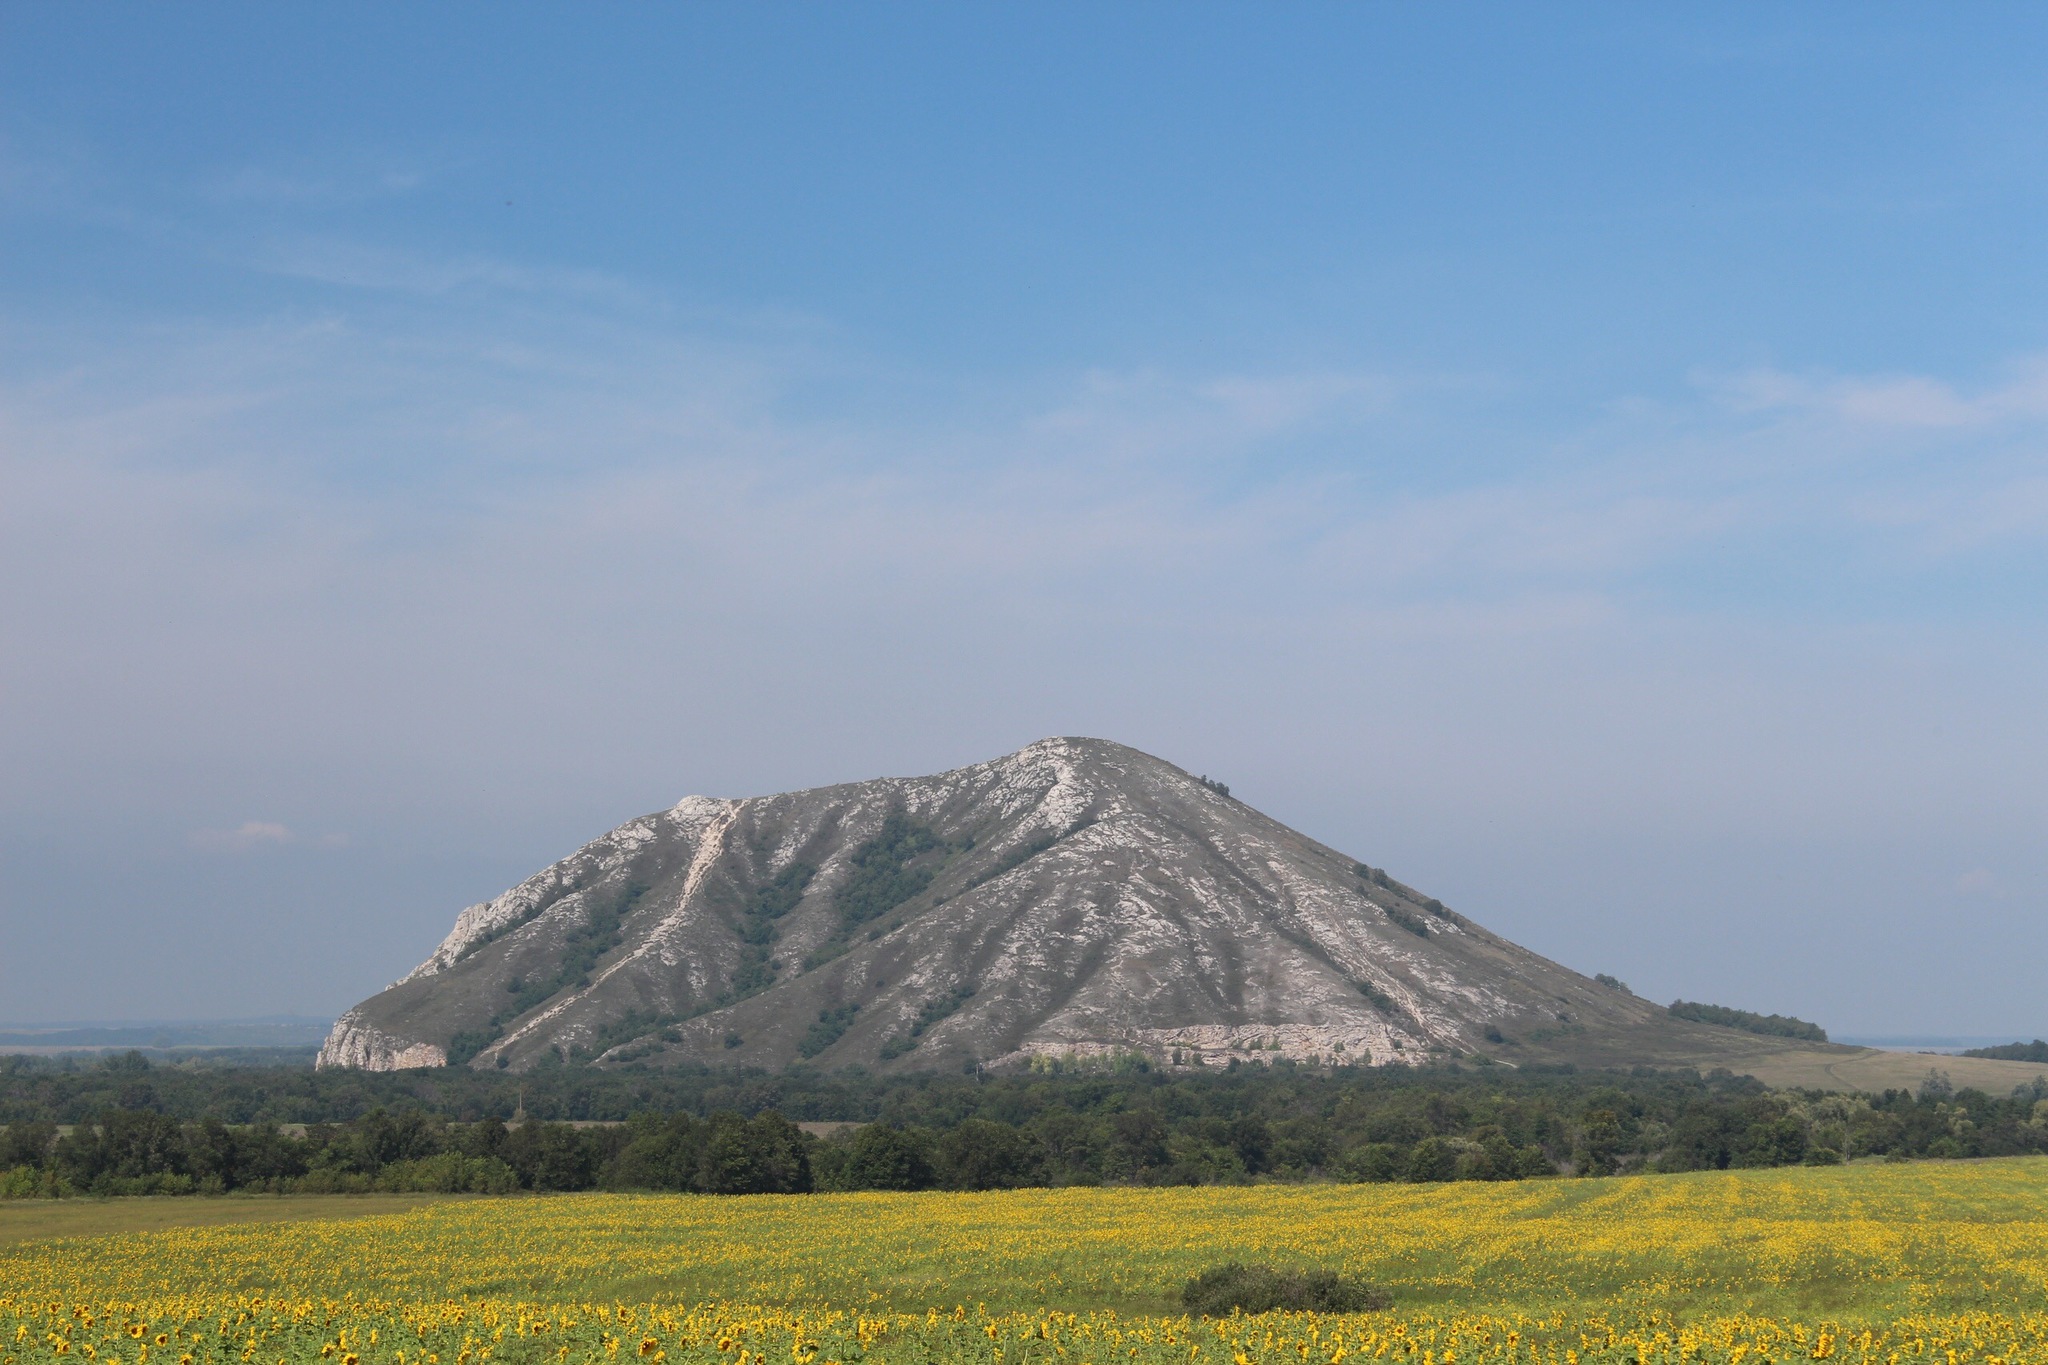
[{"x": 1587, "y": 461}]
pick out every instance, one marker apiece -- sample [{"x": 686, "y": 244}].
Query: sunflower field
[{"x": 1932, "y": 1264}]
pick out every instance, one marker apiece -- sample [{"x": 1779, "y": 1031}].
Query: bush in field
[
  {"x": 1224, "y": 1289},
  {"x": 23, "y": 1182}
]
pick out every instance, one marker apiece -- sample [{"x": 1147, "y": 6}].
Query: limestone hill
[{"x": 1076, "y": 898}]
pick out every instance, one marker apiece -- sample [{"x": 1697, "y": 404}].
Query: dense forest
[{"x": 125, "y": 1127}]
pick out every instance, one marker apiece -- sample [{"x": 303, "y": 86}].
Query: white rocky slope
[{"x": 1074, "y": 898}]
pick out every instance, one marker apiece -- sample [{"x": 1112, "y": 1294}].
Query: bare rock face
[
  {"x": 353, "y": 1042},
  {"x": 1074, "y": 899}
]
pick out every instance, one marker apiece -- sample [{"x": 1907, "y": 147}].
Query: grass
[{"x": 1874, "y": 1071}]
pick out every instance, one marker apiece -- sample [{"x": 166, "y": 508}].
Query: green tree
[
  {"x": 885, "y": 1158},
  {"x": 1599, "y": 1147},
  {"x": 978, "y": 1154},
  {"x": 1433, "y": 1159}
]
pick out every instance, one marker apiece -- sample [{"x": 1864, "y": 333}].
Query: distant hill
[
  {"x": 1074, "y": 900},
  {"x": 1774, "y": 1025},
  {"x": 2036, "y": 1051},
  {"x": 277, "y": 1032}
]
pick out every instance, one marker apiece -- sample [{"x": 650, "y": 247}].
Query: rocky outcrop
[
  {"x": 354, "y": 1043},
  {"x": 1075, "y": 899}
]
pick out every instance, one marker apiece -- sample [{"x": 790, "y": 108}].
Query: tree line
[
  {"x": 1256, "y": 1123},
  {"x": 1773, "y": 1025}
]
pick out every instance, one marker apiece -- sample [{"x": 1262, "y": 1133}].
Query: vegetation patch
[
  {"x": 602, "y": 930},
  {"x": 889, "y": 869},
  {"x": 125, "y": 1127},
  {"x": 467, "y": 1043},
  {"x": 1774, "y": 1025},
  {"x": 512, "y": 926},
  {"x": 896, "y": 866},
  {"x": 1381, "y": 1001},
  {"x": 1237, "y": 1288},
  {"x": 932, "y": 1013},
  {"x": 757, "y": 967},
  {"x": 830, "y": 1027},
  {"x": 2036, "y": 1051},
  {"x": 635, "y": 1023},
  {"x": 1369, "y": 876},
  {"x": 1412, "y": 923}
]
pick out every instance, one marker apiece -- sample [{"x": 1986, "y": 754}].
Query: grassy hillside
[{"x": 1875, "y": 1070}]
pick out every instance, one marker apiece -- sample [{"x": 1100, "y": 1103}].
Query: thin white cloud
[
  {"x": 1153, "y": 415},
  {"x": 1954, "y": 521},
  {"x": 357, "y": 265},
  {"x": 1136, "y": 480},
  {"x": 1905, "y": 402},
  {"x": 250, "y": 834},
  {"x": 323, "y": 188},
  {"x": 320, "y": 499},
  {"x": 258, "y": 834},
  {"x": 60, "y": 180}
]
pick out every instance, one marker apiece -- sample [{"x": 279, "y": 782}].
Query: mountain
[{"x": 1074, "y": 899}]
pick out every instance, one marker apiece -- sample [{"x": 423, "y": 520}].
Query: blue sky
[{"x": 1589, "y": 460}]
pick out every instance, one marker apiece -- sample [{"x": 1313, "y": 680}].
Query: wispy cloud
[
  {"x": 1903, "y": 401},
  {"x": 251, "y": 835},
  {"x": 359, "y": 265},
  {"x": 63, "y": 181},
  {"x": 1245, "y": 482},
  {"x": 321, "y": 187},
  {"x": 435, "y": 530},
  {"x": 1152, "y": 414}
]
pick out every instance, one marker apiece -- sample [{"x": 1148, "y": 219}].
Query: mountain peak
[{"x": 1075, "y": 898}]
